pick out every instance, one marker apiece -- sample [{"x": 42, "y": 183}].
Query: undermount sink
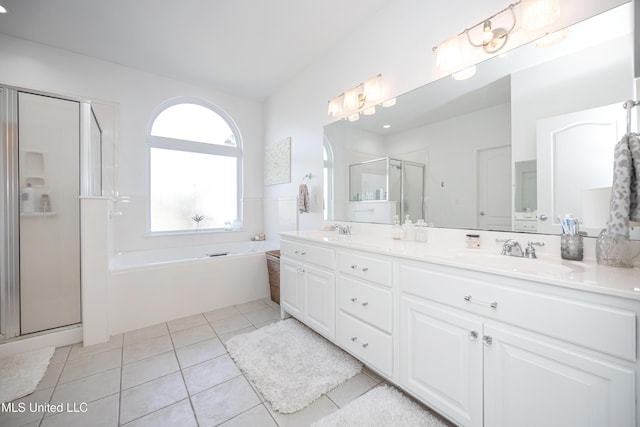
[{"x": 517, "y": 264}]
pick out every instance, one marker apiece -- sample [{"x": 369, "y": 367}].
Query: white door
[
  {"x": 320, "y": 301},
  {"x": 494, "y": 188},
  {"x": 441, "y": 359},
  {"x": 575, "y": 153},
  {"x": 532, "y": 383},
  {"x": 291, "y": 287}
]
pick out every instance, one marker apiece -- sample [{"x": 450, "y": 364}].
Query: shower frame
[{"x": 10, "y": 320}]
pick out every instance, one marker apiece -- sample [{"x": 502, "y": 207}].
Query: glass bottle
[
  {"x": 421, "y": 231},
  {"x": 408, "y": 229},
  {"x": 397, "y": 229}
]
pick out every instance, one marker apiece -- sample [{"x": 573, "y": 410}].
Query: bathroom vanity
[{"x": 483, "y": 339}]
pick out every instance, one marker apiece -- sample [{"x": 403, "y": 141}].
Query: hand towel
[
  {"x": 625, "y": 192},
  {"x": 303, "y": 198}
]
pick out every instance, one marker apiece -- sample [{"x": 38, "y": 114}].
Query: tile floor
[{"x": 176, "y": 373}]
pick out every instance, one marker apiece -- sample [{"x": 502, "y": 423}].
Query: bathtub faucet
[{"x": 346, "y": 230}]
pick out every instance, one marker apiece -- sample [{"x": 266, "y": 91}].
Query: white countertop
[{"x": 549, "y": 267}]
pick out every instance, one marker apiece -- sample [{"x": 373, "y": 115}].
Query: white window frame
[{"x": 154, "y": 141}]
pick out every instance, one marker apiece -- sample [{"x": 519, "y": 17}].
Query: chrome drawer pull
[
  {"x": 299, "y": 252},
  {"x": 365, "y": 345},
  {"x": 365, "y": 269},
  {"x": 354, "y": 339},
  {"x": 353, "y": 267},
  {"x": 494, "y": 304},
  {"x": 354, "y": 299},
  {"x": 364, "y": 304}
]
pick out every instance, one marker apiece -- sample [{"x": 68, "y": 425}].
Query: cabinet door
[
  {"x": 320, "y": 301},
  {"x": 530, "y": 382},
  {"x": 291, "y": 287},
  {"x": 441, "y": 359}
]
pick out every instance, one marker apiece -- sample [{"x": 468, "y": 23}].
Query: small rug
[
  {"x": 382, "y": 407},
  {"x": 21, "y": 373},
  {"x": 290, "y": 365}
]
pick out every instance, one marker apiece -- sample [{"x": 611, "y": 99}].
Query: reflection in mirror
[
  {"x": 382, "y": 190},
  {"x": 471, "y": 135}
]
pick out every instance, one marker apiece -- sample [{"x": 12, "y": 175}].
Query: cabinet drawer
[
  {"x": 598, "y": 327},
  {"x": 375, "y": 270},
  {"x": 368, "y": 344},
  {"x": 366, "y": 302},
  {"x": 323, "y": 257}
]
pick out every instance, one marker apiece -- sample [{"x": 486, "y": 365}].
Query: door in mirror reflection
[
  {"x": 575, "y": 154},
  {"x": 494, "y": 188}
]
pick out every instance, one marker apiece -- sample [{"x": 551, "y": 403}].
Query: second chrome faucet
[{"x": 511, "y": 247}]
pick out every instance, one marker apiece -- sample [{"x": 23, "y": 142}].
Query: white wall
[
  {"x": 134, "y": 95},
  {"x": 396, "y": 42}
]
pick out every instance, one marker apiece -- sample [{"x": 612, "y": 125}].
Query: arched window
[{"x": 195, "y": 167}]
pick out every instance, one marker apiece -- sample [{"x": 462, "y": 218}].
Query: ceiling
[{"x": 249, "y": 48}]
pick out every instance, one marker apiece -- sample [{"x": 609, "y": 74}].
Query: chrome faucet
[
  {"x": 530, "y": 251},
  {"x": 345, "y": 230},
  {"x": 511, "y": 247}
]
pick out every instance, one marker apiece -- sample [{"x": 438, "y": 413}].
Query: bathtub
[{"x": 154, "y": 286}]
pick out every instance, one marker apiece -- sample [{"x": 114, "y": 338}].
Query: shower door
[{"x": 40, "y": 212}]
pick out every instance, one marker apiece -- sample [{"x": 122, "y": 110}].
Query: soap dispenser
[{"x": 408, "y": 229}]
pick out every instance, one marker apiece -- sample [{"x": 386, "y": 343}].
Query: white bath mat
[
  {"x": 290, "y": 365},
  {"x": 21, "y": 373},
  {"x": 382, "y": 407}
]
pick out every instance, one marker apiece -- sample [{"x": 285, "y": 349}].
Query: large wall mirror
[{"x": 528, "y": 138}]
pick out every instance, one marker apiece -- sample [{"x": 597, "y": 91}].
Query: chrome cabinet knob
[
  {"x": 364, "y": 304},
  {"x": 365, "y": 345},
  {"x": 487, "y": 340},
  {"x": 473, "y": 335}
]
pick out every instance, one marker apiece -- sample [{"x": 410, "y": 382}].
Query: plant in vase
[{"x": 197, "y": 218}]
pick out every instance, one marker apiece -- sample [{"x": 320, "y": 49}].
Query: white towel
[
  {"x": 625, "y": 192},
  {"x": 303, "y": 198}
]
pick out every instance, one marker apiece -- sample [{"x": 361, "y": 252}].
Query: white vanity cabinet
[
  {"x": 487, "y": 350},
  {"x": 365, "y": 308},
  {"x": 307, "y": 285}
]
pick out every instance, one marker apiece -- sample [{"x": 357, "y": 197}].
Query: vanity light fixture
[
  {"x": 389, "y": 103},
  {"x": 465, "y": 74},
  {"x": 535, "y": 15},
  {"x": 359, "y": 99},
  {"x": 3, "y": 10}
]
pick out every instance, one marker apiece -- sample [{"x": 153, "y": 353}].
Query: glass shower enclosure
[
  {"x": 44, "y": 140},
  {"x": 382, "y": 188}
]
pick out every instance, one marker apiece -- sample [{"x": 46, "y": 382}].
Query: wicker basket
[{"x": 273, "y": 266}]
